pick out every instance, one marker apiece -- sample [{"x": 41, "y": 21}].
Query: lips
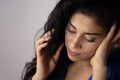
[{"x": 73, "y": 53}]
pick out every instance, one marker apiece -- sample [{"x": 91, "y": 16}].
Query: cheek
[
  {"x": 90, "y": 49},
  {"x": 68, "y": 38}
]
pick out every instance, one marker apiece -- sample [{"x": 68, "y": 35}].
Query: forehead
[{"x": 85, "y": 22}]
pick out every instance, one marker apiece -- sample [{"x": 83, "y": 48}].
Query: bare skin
[
  {"x": 91, "y": 51},
  {"x": 40, "y": 71},
  {"x": 91, "y": 63},
  {"x": 99, "y": 60}
]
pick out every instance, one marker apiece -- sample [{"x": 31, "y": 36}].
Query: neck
[
  {"x": 82, "y": 64},
  {"x": 80, "y": 69}
]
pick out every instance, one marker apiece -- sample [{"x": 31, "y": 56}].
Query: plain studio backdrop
[{"x": 19, "y": 21}]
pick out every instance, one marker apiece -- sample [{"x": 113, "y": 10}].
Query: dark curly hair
[{"x": 106, "y": 13}]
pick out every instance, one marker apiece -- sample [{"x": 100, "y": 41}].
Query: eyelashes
[
  {"x": 89, "y": 40},
  {"x": 73, "y": 32},
  {"x": 70, "y": 28}
]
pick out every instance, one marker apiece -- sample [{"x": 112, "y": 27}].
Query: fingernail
[{"x": 53, "y": 30}]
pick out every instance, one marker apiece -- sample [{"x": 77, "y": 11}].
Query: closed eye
[
  {"x": 90, "y": 37},
  {"x": 71, "y": 28},
  {"x": 71, "y": 31},
  {"x": 88, "y": 40}
]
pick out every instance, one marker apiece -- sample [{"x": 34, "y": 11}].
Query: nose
[{"x": 76, "y": 43}]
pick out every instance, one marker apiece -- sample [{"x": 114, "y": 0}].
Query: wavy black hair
[{"x": 106, "y": 13}]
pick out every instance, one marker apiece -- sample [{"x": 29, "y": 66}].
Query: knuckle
[
  {"x": 49, "y": 33},
  {"x": 36, "y": 43},
  {"x": 38, "y": 49}
]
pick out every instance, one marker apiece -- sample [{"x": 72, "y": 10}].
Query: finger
[
  {"x": 40, "y": 47},
  {"x": 49, "y": 33},
  {"x": 42, "y": 40},
  {"x": 53, "y": 30},
  {"x": 111, "y": 33},
  {"x": 56, "y": 56},
  {"x": 117, "y": 37},
  {"x": 45, "y": 37}
]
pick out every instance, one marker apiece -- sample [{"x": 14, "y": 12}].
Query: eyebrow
[
  {"x": 72, "y": 25},
  {"x": 89, "y": 33},
  {"x": 86, "y": 33}
]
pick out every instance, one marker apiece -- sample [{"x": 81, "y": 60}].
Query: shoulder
[{"x": 114, "y": 65}]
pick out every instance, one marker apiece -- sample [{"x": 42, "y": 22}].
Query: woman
[{"x": 77, "y": 42}]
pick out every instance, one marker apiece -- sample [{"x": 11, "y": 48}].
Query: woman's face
[{"x": 82, "y": 37}]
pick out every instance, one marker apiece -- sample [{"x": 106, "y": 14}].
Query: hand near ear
[
  {"x": 41, "y": 72},
  {"x": 99, "y": 60},
  {"x": 102, "y": 52}
]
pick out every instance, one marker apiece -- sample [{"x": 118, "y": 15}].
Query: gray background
[{"x": 19, "y": 21}]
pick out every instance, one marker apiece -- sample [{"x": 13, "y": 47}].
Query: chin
[{"x": 73, "y": 58}]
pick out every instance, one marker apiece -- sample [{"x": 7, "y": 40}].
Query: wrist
[
  {"x": 100, "y": 73},
  {"x": 101, "y": 68},
  {"x": 36, "y": 77},
  {"x": 98, "y": 63}
]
